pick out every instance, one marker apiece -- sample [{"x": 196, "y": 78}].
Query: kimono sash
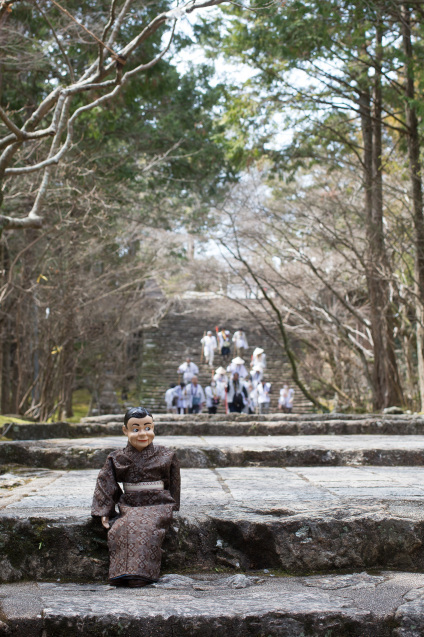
[{"x": 130, "y": 487}]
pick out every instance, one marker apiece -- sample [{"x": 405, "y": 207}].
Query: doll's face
[{"x": 140, "y": 432}]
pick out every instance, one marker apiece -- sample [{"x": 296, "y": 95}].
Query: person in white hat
[
  {"x": 237, "y": 367},
  {"x": 258, "y": 358},
  {"x": 221, "y": 380},
  {"x": 256, "y": 375},
  {"x": 209, "y": 346},
  {"x": 220, "y": 375}
]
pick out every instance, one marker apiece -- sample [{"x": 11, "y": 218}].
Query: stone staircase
[
  {"x": 290, "y": 525},
  {"x": 178, "y": 336}
]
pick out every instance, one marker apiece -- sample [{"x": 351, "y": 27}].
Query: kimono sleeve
[
  {"x": 107, "y": 491},
  {"x": 175, "y": 481}
]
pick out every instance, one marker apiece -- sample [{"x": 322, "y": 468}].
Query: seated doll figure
[{"x": 151, "y": 492}]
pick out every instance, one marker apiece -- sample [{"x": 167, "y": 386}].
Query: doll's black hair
[{"x": 136, "y": 412}]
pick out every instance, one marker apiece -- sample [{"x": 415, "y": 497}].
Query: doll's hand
[{"x": 105, "y": 521}]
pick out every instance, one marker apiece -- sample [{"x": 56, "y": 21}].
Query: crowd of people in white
[{"x": 238, "y": 389}]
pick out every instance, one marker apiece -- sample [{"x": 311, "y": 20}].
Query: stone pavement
[
  {"x": 227, "y": 451},
  {"x": 262, "y": 498},
  {"x": 354, "y": 605},
  {"x": 295, "y": 519}
]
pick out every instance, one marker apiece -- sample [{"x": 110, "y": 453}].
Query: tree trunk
[
  {"x": 5, "y": 369},
  {"x": 386, "y": 381},
  {"x": 416, "y": 192}
]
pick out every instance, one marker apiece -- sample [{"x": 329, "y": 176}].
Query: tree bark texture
[
  {"x": 386, "y": 382},
  {"x": 416, "y": 191}
]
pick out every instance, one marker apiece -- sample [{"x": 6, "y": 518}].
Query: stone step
[
  {"x": 226, "y": 425},
  {"x": 227, "y": 451},
  {"x": 281, "y": 417},
  {"x": 156, "y": 403},
  {"x": 178, "y": 336},
  {"x": 354, "y": 605},
  {"x": 299, "y": 520}
]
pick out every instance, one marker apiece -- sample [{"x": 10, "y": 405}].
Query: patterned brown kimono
[{"x": 136, "y": 535}]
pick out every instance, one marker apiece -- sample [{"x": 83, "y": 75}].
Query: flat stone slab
[
  {"x": 299, "y": 520},
  {"x": 227, "y": 425},
  {"x": 226, "y": 451},
  {"x": 234, "y": 417},
  {"x": 354, "y": 605}
]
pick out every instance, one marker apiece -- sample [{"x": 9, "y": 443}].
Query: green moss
[
  {"x": 81, "y": 401},
  {"x": 4, "y": 420}
]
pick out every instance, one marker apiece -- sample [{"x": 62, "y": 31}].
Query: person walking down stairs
[
  {"x": 209, "y": 345},
  {"x": 180, "y": 392},
  {"x": 236, "y": 394},
  {"x": 188, "y": 370},
  {"x": 258, "y": 358},
  {"x": 221, "y": 379},
  {"x": 237, "y": 366},
  {"x": 256, "y": 375},
  {"x": 195, "y": 396},
  {"x": 263, "y": 391},
  {"x": 214, "y": 394},
  {"x": 240, "y": 342},
  {"x": 171, "y": 399},
  {"x": 286, "y": 399},
  {"x": 224, "y": 343}
]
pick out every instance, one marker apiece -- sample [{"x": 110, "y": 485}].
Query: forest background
[{"x": 124, "y": 155}]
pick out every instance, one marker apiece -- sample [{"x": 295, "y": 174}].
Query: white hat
[
  {"x": 220, "y": 370},
  {"x": 238, "y": 360},
  {"x": 258, "y": 351}
]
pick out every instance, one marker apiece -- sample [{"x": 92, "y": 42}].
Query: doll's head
[{"x": 139, "y": 427}]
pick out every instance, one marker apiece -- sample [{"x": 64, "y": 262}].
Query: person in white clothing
[
  {"x": 195, "y": 396},
  {"x": 236, "y": 394},
  {"x": 237, "y": 367},
  {"x": 214, "y": 394},
  {"x": 209, "y": 346},
  {"x": 171, "y": 399},
  {"x": 258, "y": 358},
  {"x": 220, "y": 375},
  {"x": 256, "y": 375},
  {"x": 251, "y": 399},
  {"x": 290, "y": 401},
  {"x": 263, "y": 390},
  {"x": 224, "y": 343},
  {"x": 180, "y": 391},
  {"x": 188, "y": 370},
  {"x": 221, "y": 379},
  {"x": 285, "y": 400},
  {"x": 240, "y": 341}
]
